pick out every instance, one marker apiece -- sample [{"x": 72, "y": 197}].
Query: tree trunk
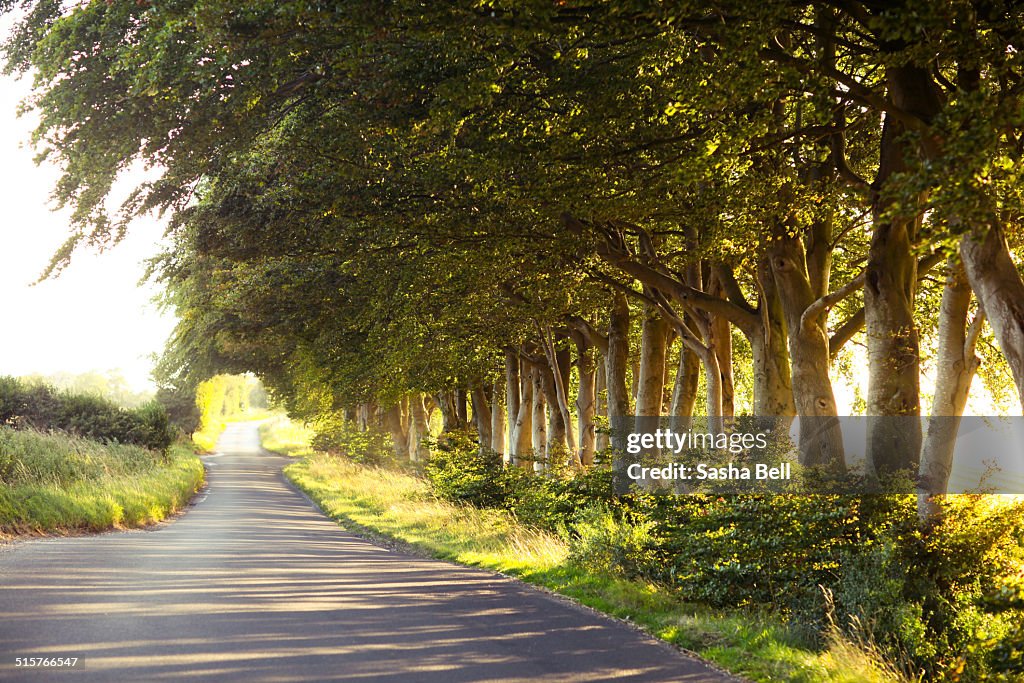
[
  {"x": 601, "y": 394},
  {"x": 821, "y": 439},
  {"x": 481, "y": 417},
  {"x": 363, "y": 417},
  {"x": 419, "y": 430},
  {"x": 522, "y": 432},
  {"x": 721, "y": 341},
  {"x": 561, "y": 444},
  {"x": 634, "y": 377},
  {"x": 713, "y": 380},
  {"x": 461, "y": 410},
  {"x": 497, "y": 420},
  {"x": 512, "y": 397},
  {"x": 653, "y": 343},
  {"x": 773, "y": 383},
  {"x": 894, "y": 436},
  {"x": 586, "y": 400},
  {"x": 684, "y": 391},
  {"x": 446, "y": 403},
  {"x": 539, "y": 437},
  {"x": 399, "y": 438},
  {"x": 894, "y": 440},
  {"x": 955, "y": 366},
  {"x": 997, "y": 283},
  {"x": 616, "y": 364}
]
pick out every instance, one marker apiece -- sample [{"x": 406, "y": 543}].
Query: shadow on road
[{"x": 254, "y": 584}]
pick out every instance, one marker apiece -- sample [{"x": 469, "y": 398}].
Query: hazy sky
[{"x": 92, "y": 317}]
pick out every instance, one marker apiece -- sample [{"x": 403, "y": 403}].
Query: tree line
[{"x": 562, "y": 213}]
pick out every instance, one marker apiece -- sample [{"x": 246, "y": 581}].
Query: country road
[{"x": 253, "y": 584}]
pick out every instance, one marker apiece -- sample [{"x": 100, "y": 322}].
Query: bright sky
[{"x": 94, "y": 316}]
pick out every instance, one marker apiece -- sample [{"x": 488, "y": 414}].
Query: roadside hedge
[{"x": 41, "y": 407}]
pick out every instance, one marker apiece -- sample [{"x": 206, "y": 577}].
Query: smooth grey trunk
[
  {"x": 586, "y": 402},
  {"x": 561, "y": 441},
  {"x": 539, "y": 435},
  {"x": 601, "y": 394},
  {"x": 800, "y": 286},
  {"x": 616, "y": 363},
  {"x": 399, "y": 438},
  {"x": 684, "y": 390},
  {"x": 511, "y": 397},
  {"x": 721, "y": 340},
  {"x": 481, "y": 417},
  {"x": 653, "y": 351},
  {"x": 891, "y": 276},
  {"x": 997, "y": 283},
  {"x": 955, "y": 367},
  {"x": 654, "y": 333},
  {"x": 522, "y": 432},
  {"x": 893, "y": 441},
  {"x": 773, "y": 382},
  {"x": 497, "y": 419},
  {"x": 713, "y": 380},
  {"x": 418, "y": 429}
]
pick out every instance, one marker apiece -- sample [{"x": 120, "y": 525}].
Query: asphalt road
[{"x": 253, "y": 583}]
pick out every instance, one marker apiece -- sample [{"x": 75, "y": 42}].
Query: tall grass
[{"x": 58, "y": 482}]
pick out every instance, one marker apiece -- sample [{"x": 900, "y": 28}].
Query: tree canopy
[{"x": 561, "y": 210}]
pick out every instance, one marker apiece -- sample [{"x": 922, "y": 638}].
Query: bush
[
  {"x": 921, "y": 595},
  {"x": 41, "y": 407},
  {"x": 460, "y": 471},
  {"x": 603, "y": 540},
  {"x": 181, "y": 407},
  {"x": 334, "y": 435}
]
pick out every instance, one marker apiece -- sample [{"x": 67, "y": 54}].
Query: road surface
[{"x": 253, "y": 584}]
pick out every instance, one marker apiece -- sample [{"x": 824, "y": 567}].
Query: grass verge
[
  {"x": 281, "y": 435},
  {"x": 56, "y": 483},
  {"x": 401, "y": 507}
]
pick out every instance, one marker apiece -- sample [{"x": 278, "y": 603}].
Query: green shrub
[
  {"x": 181, "y": 407},
  {"x": 460, "y": 471},
  {"x": 555, "y": 500},
  {"x": 339, "y": 437},
  {"x": 41, "y": 407},
  {"x": 920, "y": 595},
  {"x": 604, "y": 540}
]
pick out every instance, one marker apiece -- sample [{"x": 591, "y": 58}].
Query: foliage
[
  {"x": 919, "y": 596},
  {"x": 338, "y": 437},
  {"x": 181, "y": 408},
  {"x": 462, "y": 472},
  {"x": 43, "y": 408},
  {"x": 222, "y": 399}
]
